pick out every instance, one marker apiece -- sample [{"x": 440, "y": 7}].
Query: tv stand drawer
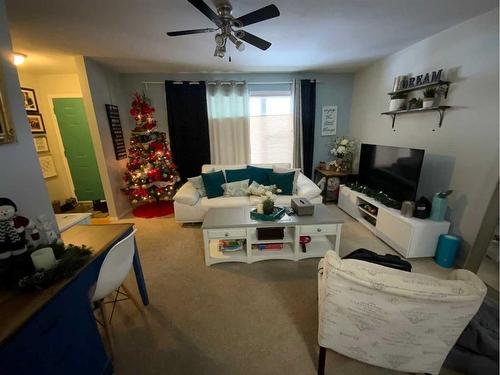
[
  {"x": 398, "y": 231},
  {"x": 227, "y": 233},
  {"x": 322, "y": 229}
]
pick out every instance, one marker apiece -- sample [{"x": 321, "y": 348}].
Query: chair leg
[
  {"x": 107, "y": 327},
  {"x": 132, "y": 297},
  {"x": 321, "y": 360}
]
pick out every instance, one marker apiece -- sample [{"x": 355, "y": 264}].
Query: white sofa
[{"x": 190, "y": 208}]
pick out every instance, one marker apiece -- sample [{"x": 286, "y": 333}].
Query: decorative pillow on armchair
[{"x": 235, "y": 189}]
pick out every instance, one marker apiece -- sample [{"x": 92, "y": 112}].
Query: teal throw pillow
[
  {"x": 233, "y": 175},
  {"x": 213, "y": 184},
  {"x": 283, "y": 181},
  {"x": 261, "y": 175}
]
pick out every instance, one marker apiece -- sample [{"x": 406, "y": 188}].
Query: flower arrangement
[{"x": 342, "y": 149}]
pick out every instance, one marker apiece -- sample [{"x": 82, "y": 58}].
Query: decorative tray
[{"x": 276, "y": 215}]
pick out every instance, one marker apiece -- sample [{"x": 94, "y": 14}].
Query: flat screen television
[{"x": 393, "y": 170}]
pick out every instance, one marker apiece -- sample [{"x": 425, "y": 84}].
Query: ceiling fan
[{"x": 226, "y": 25}]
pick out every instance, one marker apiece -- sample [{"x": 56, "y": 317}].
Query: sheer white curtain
[
  {"x": 228, "y": 123},
  {"x": 298, "y": 150}
]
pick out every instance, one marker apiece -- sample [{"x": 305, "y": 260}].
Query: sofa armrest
[
  {"x": 306, "y": 188},
  {"x": 187, "y": 194}
]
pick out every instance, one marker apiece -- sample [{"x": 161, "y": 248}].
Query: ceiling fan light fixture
[
  {"x": 240, "y": 46},
  {"x": 220, "y": 51}
]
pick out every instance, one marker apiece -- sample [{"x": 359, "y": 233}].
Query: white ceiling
[{"x": 313, "y": 35}]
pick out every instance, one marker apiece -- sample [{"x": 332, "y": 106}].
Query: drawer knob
[
  {"x": 227, "y": 234},
  {"x": 319, "y": 229}
]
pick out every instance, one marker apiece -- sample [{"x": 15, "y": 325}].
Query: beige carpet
[{"x": 258, "y": 318}]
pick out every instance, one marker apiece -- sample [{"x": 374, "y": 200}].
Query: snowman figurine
[{"x": 12, "y": 230}]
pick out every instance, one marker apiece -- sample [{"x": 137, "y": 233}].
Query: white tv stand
[{"x": 411, "y": 237}]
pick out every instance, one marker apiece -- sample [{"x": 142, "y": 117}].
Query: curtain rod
[{"x": 214, "y": 82}]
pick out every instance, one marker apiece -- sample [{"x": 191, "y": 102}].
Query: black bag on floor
[{"x": 387, "y": 260}]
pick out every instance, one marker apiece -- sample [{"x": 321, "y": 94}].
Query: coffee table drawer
[
  {"x": 319, "y": 229},
  {"x": 227, "y": 233}
]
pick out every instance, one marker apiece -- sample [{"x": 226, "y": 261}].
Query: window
[{"x": 271, "y": 124}]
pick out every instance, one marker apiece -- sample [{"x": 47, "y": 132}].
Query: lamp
[{"x": 19, "y": 58}]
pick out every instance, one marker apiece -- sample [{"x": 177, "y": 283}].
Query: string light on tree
[{"x": 151, "y": 174}]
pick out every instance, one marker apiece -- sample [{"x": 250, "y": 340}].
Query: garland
[
  {"x": 17, "y": 272},
  {"x": 379, "y": 196}
]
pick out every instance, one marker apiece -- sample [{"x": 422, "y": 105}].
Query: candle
[
  {"x": 43, "y": 259},
  {"x": 260, "y": 208}
]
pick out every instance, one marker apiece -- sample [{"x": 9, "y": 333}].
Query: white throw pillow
[
  {"x": 198, "y": 185},
  {"x": 278, "y": 169},
  {"x": 236, "y": 189},
  {"x": 187, "y": 194},
  {"x": 257, "y": 189}
]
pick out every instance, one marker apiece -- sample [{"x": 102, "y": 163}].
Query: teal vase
[{"x": 439, "y": 208}]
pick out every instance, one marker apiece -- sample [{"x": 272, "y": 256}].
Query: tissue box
[{"x": 302, "y": 206}]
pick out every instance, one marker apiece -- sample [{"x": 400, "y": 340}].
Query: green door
[{"x": 78, "y": 148}]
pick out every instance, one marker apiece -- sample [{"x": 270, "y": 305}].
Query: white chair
[
  {"x": 392, "y": 319},
  {"x": 114, "y": 270}
]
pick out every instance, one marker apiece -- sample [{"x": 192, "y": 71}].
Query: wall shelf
[
  {"x": 424, "y": 86},
  {"x": 441, "y": 109}
]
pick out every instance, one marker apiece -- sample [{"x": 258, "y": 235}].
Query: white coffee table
[{"x": 324, "y": 228}]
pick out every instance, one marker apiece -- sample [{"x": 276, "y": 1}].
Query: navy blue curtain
[
  {"x": 188, "y": 126},
  {"x": 308, "y": 107}
]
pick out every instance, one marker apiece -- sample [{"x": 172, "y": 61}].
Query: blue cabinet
[{"x": 62, "y": 337}]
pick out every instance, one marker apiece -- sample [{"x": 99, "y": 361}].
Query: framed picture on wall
[
  {"x": 329, "y": 120},
  {"x": 47, "y": 165},
  {"x": 41, "y": 144},
  {"x": 30, "y": 103},
  {"x": 36, "y": 123}
]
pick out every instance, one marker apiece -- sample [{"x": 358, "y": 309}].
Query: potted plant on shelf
[
  {"x": 429, "y": 97},
  {"x": 415, "y": 103},
  {"x": 397, "y": 101}
]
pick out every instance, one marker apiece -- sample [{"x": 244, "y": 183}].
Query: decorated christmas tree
[{"x": 151, "y": 174}]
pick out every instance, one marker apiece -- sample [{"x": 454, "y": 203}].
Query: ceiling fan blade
[
  {"x": 254, "y": 40},
  {"x": 189, "y": 32},
  {"x": 259, "y": 15},
  {"x": 207, "y": 11}
]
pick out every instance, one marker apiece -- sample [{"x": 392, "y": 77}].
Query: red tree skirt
[{"x": 154, "y": 209}]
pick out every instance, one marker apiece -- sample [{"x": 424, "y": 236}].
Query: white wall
[
  {"x": 20, "y": 175},
  {"x": 101, "y": 85},
  {"x": 463, "y": 154},
  {"x": 48, "y": 86}
]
